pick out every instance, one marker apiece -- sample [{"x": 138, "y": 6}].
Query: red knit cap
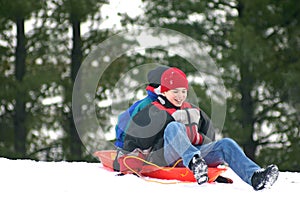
[{"x": 173, "y": 78}]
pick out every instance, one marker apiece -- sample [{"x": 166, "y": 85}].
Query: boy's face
[{"x": 176, "y": 96}]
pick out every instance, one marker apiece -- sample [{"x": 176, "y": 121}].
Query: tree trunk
[
  {"x": 246, "y": 85},
  {"x": 247, "y": 120},
  {"x": 75, "y": 142},
  {"x": 20, "y": 132}
]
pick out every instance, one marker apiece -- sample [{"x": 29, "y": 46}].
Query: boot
[
  {"x": 265, "y": 178},
  {"x": 199, "y": 168}
]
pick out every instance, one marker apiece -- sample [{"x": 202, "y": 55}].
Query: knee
[
  {"x": 176, "y": 125},
  {"x": 228, "y": 142},
  {"x": 175, "y": 128}
]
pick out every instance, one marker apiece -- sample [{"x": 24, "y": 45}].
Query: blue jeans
[{"x": 177, "y": 145}]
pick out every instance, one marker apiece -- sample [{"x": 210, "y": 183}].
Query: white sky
[
  {"x": 131, "y": 7},
  {"x": 109, "y": 12}
]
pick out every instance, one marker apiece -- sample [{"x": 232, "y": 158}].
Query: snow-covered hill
[{"x": 27, "y": 179}]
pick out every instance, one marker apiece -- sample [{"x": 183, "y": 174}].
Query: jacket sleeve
[
  {"x": 205, "y": 126},
  {"x": 145, "y": 129}
]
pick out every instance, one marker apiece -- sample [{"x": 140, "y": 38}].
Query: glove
[{"x": 222, "y": 179}]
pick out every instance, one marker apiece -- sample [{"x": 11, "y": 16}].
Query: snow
[{"x": 28, "y": 179}]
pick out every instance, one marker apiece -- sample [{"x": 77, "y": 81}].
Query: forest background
[{"x": 255, "y": 45}]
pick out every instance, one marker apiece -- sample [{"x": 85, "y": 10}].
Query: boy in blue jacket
[{"x": 152, "y": 92}]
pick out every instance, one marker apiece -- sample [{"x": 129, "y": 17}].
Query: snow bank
[{"x": 27, "y": 179}]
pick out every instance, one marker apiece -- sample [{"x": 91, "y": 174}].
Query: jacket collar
[{"x": 165, "y": 102}]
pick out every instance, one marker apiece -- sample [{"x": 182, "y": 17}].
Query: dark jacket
[
  {"x": 146, "y": 129},
  {"x": 125, "y": 117}
]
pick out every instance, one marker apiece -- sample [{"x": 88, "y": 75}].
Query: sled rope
[{"x": 157, "y": 166}]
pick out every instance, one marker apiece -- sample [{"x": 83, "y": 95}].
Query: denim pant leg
[
  {"x": 177, "y": 144},
  {"x": 227, "y": 150}
]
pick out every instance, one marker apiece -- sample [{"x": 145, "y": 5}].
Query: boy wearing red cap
[{"x": 171, "y": 128}]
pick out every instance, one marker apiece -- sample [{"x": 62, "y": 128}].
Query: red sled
[{"x": 107, "y": 158}]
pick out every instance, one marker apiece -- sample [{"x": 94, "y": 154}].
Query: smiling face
[{"x": 176, "y": 96}]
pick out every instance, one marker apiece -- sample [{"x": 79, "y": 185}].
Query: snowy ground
[{"x": 27, "y": 179}]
